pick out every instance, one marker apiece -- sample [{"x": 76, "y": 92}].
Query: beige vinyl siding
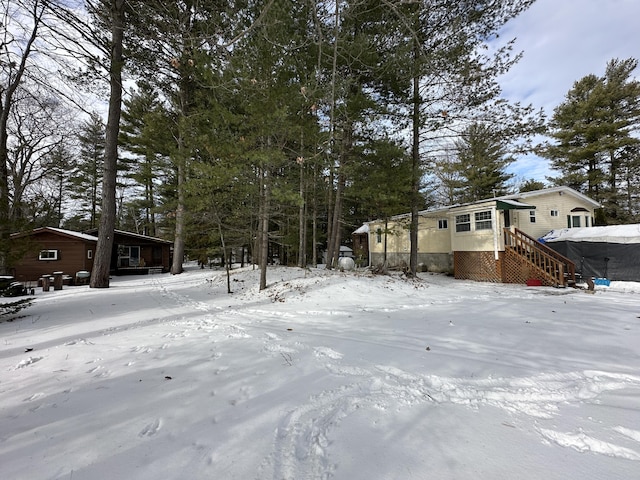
[
  {"x": 478, "y": 238},
  {"x": 431, "y": 239},
  {"x": 545, "y": 221}
]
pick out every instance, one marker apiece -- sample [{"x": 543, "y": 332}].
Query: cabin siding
[
  {"x": 75, "y": 252},
  {"x": 73, "y": 256}
]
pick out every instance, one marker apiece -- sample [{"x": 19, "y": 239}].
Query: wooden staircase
[{"x": 542, "y": 262}]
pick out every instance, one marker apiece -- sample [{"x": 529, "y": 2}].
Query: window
[
  {"x": 89, "y": 254},
  {"x": 586, "y": 220},
  {"x": 379, "y": 235},
  {"x": 128, "y": 256},
  {"x": 48, "y": 255},
  {"x": 483, "y": 220},
  {"x": 554, "y": 213},
  {"x": 575, "y": 221},
  {"x": 532, "y": 216},
  {"x": 443, "y": 224},
  {"x": 463, "y": 223}
]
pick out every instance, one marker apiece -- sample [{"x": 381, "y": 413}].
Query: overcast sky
[{"x": 562, "y": 41}]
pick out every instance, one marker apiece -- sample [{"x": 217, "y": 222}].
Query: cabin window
[
  {"x": 483, "y": 220},
  {"x": 586, "y": 220},
  {"x": 532, "y": 216},
  {"x": 379, "y": 235},
  {"x": 128, "y": 256},
  {"x": 463, "y": 223},
  {"x": 89, "y": 254},
  {"x": 554, "y": 213},
  {"x": 48, "y": 255},
  {"x": 443, "y": 224}
]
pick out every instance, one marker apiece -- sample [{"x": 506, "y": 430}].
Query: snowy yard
[{"x": 323, "y": 375}]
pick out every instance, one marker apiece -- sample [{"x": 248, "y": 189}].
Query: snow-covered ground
[{"x": 323, "y": 375}]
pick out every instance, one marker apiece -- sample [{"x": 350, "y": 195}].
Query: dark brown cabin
[
  {"x": 46, "y": 250},
  {"x": 137, "y": 254}
]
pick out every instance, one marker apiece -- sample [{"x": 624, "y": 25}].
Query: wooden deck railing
[{"x": 555, "y": 268}]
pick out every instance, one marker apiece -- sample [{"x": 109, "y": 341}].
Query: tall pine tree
[
  {"x": 595, "y": 141},
  {"x": 85, "y": 184},
  {"x": 482, "y": 162}
]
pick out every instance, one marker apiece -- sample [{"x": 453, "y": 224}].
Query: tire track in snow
[
  {"x": 303, "y": 435},
  {"x": 583, "y": 443},
  {"x": 302, "y": 438}
]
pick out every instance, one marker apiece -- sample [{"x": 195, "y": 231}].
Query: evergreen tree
[
  {"x": 595, "y": 139},
  {"x": 143, "y": 133},
  {"x": 531, "y": 185},
  {"x": 177, "y": 44},
  {"x": 482, "y": 160},
  {"x": 450, "y": 80},
  {"x": 60, "y": 165},
  {"x": 85, "y": 184}
]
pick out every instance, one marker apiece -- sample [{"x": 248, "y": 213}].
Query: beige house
[{"x": 480, "y": 240}]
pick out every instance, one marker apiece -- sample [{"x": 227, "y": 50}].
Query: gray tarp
[{"x": 615, "y": 261}]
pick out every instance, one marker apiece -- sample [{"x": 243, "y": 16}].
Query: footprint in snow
[
  {"x": 320, "y": 352},
  {"x": 100, "y": 372},
  {"x": 28, "y": 361},
  {"x": 35, "y": 396},
  {"x": 151, "y": 429}
]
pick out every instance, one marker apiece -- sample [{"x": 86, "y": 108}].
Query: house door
[{"x": 507, "y": 218}]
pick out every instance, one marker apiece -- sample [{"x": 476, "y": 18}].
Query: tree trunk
[
  {"x": 178, "y": 240},
  {"x": 332, "y": 130},
  {"x": 102, "y": 261},
  {"x": 333, "y": 252},
  {"x": 385, "y": 262},
  {"x": 181, "y": 160},
  {"x": 330, "y": 207},
  {"x": 314, "y": 227},
  {"x": 302, "y": 258},
  {"x": 227, "y": 258},
  {"x": 415, "y": 165},
  {"x": 264, "y": 224}
]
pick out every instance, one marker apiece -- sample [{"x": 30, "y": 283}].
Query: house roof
[
  {"x": 546, "y": 191},
  {"x": 505, "y": 202},
  {"x": 143, "y": 237},
  {"x": 87, "y": 236},
  {"x": 59, "y": 231},
  {"x": 136, "y": 235},
  {"x": 363, "y": 229},
  {"x": 519, "y": 197},
  {"x": 513, "y": 205}
]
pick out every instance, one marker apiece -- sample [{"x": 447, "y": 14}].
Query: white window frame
[
  {"x": 554, "y": 213},
  {"x": 576, "y": 221},
  {"x": 483, "y": 220},
  {"x": 48, "y": 255},
  {"x": 379, "y": 235},
  {"x": 463, "y": 223},
  {"x": 89, "y": 254},
  {"x": 443, "y": 224},
  {"x": 532, "y": 216}
]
